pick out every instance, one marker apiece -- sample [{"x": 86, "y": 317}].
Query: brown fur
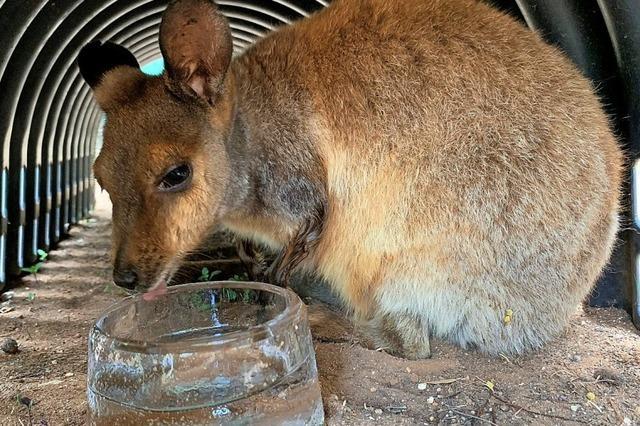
[{"x": 464, "y": 167}]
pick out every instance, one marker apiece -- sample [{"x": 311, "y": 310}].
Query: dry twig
[{"x": 537, "y": 413}]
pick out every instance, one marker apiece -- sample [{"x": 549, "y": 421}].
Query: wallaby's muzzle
[{"x": 125, "y": 278}]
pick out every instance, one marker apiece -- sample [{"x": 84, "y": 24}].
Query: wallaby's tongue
[{"x": 155, "y": 291}]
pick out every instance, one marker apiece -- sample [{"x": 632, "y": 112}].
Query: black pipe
[
  {"x": 622, "y": 18},
  {"x": 578, "y": 28}
]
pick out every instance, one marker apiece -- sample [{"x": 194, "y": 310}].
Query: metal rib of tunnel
[{"x": 50, "y": 125}]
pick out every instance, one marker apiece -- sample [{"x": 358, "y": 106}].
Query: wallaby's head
[{"x": 164, "y": 160}]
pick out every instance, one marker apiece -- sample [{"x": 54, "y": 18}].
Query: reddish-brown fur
[{"x": 461, "y": 166}]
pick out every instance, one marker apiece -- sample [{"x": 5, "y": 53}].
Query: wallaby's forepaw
[
  {"x": 401, "y": 335},
  {"x": 252, "y": 259},
  {"x": 297, "y": 250}
]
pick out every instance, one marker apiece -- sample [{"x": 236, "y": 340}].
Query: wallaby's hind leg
[{"x": 400, "y": 334}]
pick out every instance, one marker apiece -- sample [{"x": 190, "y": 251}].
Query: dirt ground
[{"x": 598, "y": 357}]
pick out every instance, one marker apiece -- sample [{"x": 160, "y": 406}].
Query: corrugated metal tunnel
[{"x": 50, "y": 124}]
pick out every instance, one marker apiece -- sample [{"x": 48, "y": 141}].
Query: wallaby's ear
[
  {"x": 96, "y": 59},
  {"x": 112, "y": 72},
  {"x": 195, "y": 40}
]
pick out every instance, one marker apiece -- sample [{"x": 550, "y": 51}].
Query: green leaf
[
  {"x": 42, "y": 255},
  {"x": 230, "y": 294},
  {"x": 204, "y": 274},
  {"x": 247, "y": 295},
  {"x": 243, "y": 277},
  {"x": 33, "y": 269},
  {"x": 200, "y": 302},
  {"x": 31, "y": 297}
]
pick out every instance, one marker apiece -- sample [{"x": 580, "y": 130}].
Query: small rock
[
  {"x": 504, "y": 407},
  {"x": 396, "y": 409},
  {"x": 430, "y": 400},
  {"x": 575, "y": 358},
  {"x": 7, "y": 295},
  {"x": 6, "y": 309},
  {"x": 54, "y": 362},
  {"x": 10, "y": 346},
  {"x": 422, "y": 386},
  {"x": 373, "y": 389},
  {"x": 575, "y": 408},
  {"x": 68, "y": 375},
  {"x": 377, "y": 411},
  {"x": 25, "y": 401}
]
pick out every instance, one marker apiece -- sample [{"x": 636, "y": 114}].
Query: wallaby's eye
[{"x": 176, "y": 179}]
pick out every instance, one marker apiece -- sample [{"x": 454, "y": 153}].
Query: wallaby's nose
[{"x": 126, "y": 278}]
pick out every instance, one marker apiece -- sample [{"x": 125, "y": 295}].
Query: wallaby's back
[{"x": 470, "y": 168}]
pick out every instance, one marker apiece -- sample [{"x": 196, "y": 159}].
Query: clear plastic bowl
[{"x": 205, "y": 354}]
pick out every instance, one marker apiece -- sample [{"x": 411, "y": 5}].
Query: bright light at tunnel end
[{"x": 155, "y": 67}]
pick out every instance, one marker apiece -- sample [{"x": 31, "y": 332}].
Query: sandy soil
[{"x": 44, "y": 384}]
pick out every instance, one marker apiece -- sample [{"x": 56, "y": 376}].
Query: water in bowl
[{"x": 179, "y": 361}]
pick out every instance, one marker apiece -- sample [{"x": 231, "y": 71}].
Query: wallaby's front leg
[
  {"x": 252, "y": 260},
  {"x": 302, "y": 243}
]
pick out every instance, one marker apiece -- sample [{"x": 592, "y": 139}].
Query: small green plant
[
  {"x": 20, "y": 399},
  {"x": 201, "y": 303},
  {"x": 205, "y": 275},
  {"x": 229, "y": 294},
  {"x": 31, "y": 297},
  {"x": 35, "y": 268},
  {"x": 27, "y": 402},
  {"x": 242, "y": 277},
  {"x": 248, "y": 295},
  {"x": 42, "y": 255}
]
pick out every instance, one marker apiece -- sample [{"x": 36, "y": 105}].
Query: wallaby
[{"x": 444, "y": 169}]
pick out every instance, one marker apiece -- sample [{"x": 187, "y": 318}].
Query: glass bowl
[{"x": 205, "y": 354}]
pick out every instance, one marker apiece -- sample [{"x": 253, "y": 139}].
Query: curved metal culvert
[{"x": 50, "y": 125}]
